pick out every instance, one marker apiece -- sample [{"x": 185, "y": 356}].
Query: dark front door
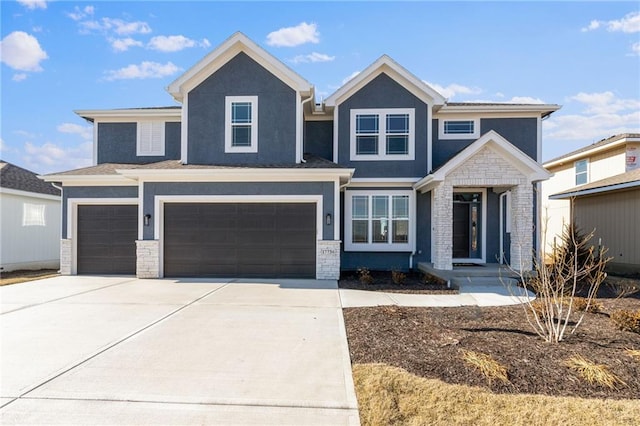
[
  {"x": 240, "y": 239},
  {"x": 466, "y": 225},
  {"x": 107, "y": 239}
]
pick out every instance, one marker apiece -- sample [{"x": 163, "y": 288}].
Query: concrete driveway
[{"x": 118, "y": 350}]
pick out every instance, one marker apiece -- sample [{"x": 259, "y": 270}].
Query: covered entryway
[
  {"x": 467, "y": 226},
  {"x": 107, "y": 239},
  {"x": 240, "y": 240}
]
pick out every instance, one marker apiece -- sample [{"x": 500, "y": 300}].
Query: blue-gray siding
[
  {"x": 242, "y": 76},
  {"x": 117, "y": 143},
  {"x": 384, "y": 92},
  {"x": 318, "y": 139},
  {"x": 151, "y": 189}
]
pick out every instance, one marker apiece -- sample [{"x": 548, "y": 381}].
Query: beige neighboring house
[
  {"x": 29, "y": 220},
  {"x": 603, "y": 180}
]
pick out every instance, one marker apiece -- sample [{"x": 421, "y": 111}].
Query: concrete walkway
[{"x": 118, "y": 350}]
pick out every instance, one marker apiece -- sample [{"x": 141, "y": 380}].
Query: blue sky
[{"x": 59, "y": 56}]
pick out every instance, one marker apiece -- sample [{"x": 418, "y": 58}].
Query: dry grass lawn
[
  {"x": 16, "y": 277},
  {"x": 391, "y": 396}
]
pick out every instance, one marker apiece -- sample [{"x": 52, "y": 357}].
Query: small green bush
[{"x": 627, "y": 320}]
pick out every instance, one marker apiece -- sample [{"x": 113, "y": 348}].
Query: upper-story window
[
  {"x": 382, "y": 134},
  {"x": 150, "y": 138},
  {"x": 582, "y": 172},
  {"x": 468, "y": 128},
  {"x": 241, "y": 124}
]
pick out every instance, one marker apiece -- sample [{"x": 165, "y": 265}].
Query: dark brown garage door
[
  {"x": 240, "y": 240},
  {"x": 107, "y": 239}
]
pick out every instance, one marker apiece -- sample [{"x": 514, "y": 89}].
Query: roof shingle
[{"x": 14, "y": 177}]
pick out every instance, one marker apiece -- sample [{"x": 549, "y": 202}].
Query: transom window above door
[
  {"x": 382, "y": 134},
  {"x": 241, "y": 124}
]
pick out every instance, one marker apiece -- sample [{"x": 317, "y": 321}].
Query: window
[
  {"x": 241, "y": 124},
  {"x": 33, "y": 215},
  {"x": 150, "y": 138},
  {"x": 582, "y": 172},
  {"x": 467, "y": 128},
  {"x": 378, "y": 221},
  {"x": 378, "y": 134}
]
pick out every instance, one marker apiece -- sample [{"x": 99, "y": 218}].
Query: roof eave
[{"x": 598, "y": 190}]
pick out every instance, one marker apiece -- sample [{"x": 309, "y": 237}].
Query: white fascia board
[
  {"x": 29, "y": 194},
  {"x": 608, "y": 188},
  {"x": 89, "y": 180},
  {"x": 382, "y": 182},
  {"x": 572, "y": 158},
  {"x": 237, "y": 175},
  {"x": 114, "y": 115},
  {"x": 503, "y": 108},
  {"x": 387, "y": 65},
  {"x": 235, "y": 44}
]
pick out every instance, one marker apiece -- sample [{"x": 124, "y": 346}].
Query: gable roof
[
  {"x": 630, "y": 179},
  {"x": 599, "y": 146},
  {"x": 387, "y": 65},
  {"x": 527, "y": 165},
  {"x": 19, "y": 179},
  {"x": 235, "y": 44}
]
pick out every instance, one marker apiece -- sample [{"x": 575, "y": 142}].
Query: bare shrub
[
  {"x": 633, "y": 353},
  {"x": 489, "y": 367},
  {"x": 594, "y": 374},
  {"x": 364, "y": 275},
  {"x": 626, "y": 320},
  {"x": 398, "y": 277}
]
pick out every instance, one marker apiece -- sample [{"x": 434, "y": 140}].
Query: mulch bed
[
  {"x": 414, "y": 282},
  {"x": 429, "y": 341}
]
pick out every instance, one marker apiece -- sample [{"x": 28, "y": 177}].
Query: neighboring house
[
  {"x": 599, "y": 187},
  {"x": 608, "y": 158},
  {"x": 30, "y": 220},
  {"x": 250, "y": 177}
]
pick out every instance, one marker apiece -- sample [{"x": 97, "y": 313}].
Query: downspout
[
  {"x": 415, "y": 229},
  {"x": 302, "y": 160}
]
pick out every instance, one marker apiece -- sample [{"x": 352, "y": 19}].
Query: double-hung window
[
  {"x": 241, "y": 124},
  {"x": 382, "y": 134},
  {"x": 150, "y": 138},
  {"x": 379, "y": 221},
  {"x": 582, "y": 172},
  {"x": 463, "y": 128}
]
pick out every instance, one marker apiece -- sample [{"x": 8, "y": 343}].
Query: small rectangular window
[
  {"x": 150, "y": 138},
  {"x": 382, "y": 134},
  {"x": 241, "y": 124},
  {"x": 33, "y": 215},
  {"x": 467, "y": 128},
  {"x": 582, "y": 172}
]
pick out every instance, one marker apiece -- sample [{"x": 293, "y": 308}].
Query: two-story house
[
  {"x": 597, "y": 187},
  {"x": 250, "y": 177}
]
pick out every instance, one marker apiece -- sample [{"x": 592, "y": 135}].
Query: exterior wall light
[
  {"x": 327, "y": 219},
  {"x": 147, "y": 218}
]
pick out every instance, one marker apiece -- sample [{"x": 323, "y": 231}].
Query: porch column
[
  {"x": 442, "y": 222},
  {"x": 522, "y": 227}
]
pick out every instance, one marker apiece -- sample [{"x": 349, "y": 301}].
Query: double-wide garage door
[{"x": 240, "y": 239}]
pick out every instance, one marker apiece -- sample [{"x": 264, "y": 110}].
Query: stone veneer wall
[
  {"x": 65, "y": 256},
  {"x": 148, "y": 259},
  {"x": 484, "y": 169},
  {"x": 328, "y": 260}
]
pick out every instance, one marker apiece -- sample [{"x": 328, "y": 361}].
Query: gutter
[{"x": 598, "y": 190}]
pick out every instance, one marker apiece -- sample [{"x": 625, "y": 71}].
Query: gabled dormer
[{"x": 241, "y": 105}]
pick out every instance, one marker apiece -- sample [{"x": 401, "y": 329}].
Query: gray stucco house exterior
[{"x": 250, "y": 177}]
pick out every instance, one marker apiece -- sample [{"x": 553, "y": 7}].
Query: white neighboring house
[
  {"x": 595, "y": 165},
  {"x": 30, "y": 220}
]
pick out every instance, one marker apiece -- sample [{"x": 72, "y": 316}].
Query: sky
[{"x": 61, "y": 56}]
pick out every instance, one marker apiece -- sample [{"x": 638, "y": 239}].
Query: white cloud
[
  {"x": 25, "y": 134},
  {"x": 604, "y": 102},
  {"x": 175, "y": 43},
  {"x": 312, "y": 57},
  {"x": 117, "y": 26},
  {"x": 19, "y": 77},
  {"x": 49, "y": 157},
  {"x": 144, "y": 70},
  {"x": 350, "y": 76},
  {"x": 78, "y": 14},
  {"x": 630, "y": 23},
  {"x": 454, "y": 89},
  {"x": 33, "y": 4},
  {"x": 22, "y": 52},
  {"x": 123, "y": 44},
  {"x": 85, "y": 132},
  {"x": 635, "y": 49},
  {"x": 525, "y": 100},
  {"x": 294, "y": 36}
]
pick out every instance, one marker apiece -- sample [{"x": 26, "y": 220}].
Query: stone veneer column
[
  {"x": 328, "y": 260},
  {"x": 65, "y": 256},
  {"x": 522, "y": 227},
  {"x": 442, "y": 222},
  {"x": 148, "y": 259}
]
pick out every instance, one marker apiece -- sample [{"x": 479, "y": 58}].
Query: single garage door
[
  {"x": 107, "y": 239},
  {"x": 240, "y": 240}
]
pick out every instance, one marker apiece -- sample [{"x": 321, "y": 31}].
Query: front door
[{"x": 467, "y": 241}]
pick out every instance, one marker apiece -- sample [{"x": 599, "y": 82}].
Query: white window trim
[
  {"x": 409, "y": 246},
  {"x": 381, "y": 155},
  {"x": 575, "y": 171},
  {"x": 254, "y": 125},
  {"x": 459, "y": 136},
  {"x": 159, "y": 153}
]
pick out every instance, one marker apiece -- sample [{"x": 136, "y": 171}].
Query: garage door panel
[{"x": 240, "y": 239}]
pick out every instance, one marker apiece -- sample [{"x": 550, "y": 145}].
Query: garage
[
  {"x": 265, "y": 240},
  {"x": 107, "y": 239}
]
